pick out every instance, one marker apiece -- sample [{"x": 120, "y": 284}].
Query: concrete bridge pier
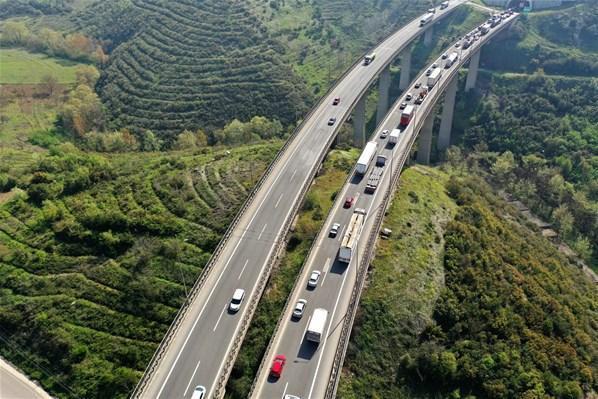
[
  {"x": 405, "y": 69},
  {"x": 424, "y": 141},
  {"x": 428, "y": 35},
  {"x": 472, "y": 73},
  {"x": 446, "y": 122},
  {"x": 383, "y": 91},
  {"x": 359, "y": 122}
]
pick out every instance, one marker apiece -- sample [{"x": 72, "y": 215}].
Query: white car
[
  {"x": 384, "y": 134},
  {"x": 287, "y": 396},
  {"x": 434, "y": 65},
  {"x": 409, "y": 96},
  {"x": 314, "y": 278},
  {"x": 199, "y": 392},
  {"x": 334, "y": 229},
  {"x": 299, "y": 308},
  {"x": 235, "y": 302}
]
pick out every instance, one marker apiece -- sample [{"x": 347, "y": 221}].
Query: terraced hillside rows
[
  {"x": 198, "y": 64},
  {"x": 97, "y": 256}
]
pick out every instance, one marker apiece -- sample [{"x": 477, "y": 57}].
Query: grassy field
[
  {"x": 97, "y": 253},
  {"x": 405, "y": 281},
  {"x": 320, "y": 199},
  {"x": 23, "y": 67}
]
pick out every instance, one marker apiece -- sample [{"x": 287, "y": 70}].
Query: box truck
[
  {"x": 450, "y": 60},
  {"x": 315, "y": 329},
  {"x": 425, "y": 19},
  {"x": 394, "y": 136},
  {"x": 407, "y": 114},
  {"x": 434, "y": 77},
  {"x": 363, "y": 163}
]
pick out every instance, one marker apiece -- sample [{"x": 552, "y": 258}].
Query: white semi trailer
[{"x": 363, "y": 163}]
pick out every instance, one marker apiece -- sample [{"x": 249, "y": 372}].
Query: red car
[
  {"x": 348, "y": 202},
  {"x": 277, "y": 366},
  {"x": 336, "y": 101}
]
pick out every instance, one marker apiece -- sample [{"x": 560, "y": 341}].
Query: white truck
[
  {"x": 315, "y": 329},
  {"x": 363, "y": 163},
  {"x": 485, "y": 28},
  {"x": 434, "y": 76},
  {"x": 351, "y": 237},
  {"x": 426, "y": 18},
  {"x": 394, "y": 136},
  {"x": 450, "y": 60}
]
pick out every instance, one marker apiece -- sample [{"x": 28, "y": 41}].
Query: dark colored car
[
  {"x": 331, "y": 121},
  {"x": 349, "y": 202},
  {"x": 336, "y": 101}
]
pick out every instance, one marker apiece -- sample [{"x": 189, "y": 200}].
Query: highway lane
[
  {"x": 15, "y": 385},
  {"x": 197, "y": 353},
  {"x": 308, "y": 367}
]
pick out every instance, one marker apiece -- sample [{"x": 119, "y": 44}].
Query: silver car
[
  {"x": 314, "y": 278},
  {"x": 299, "y": 308},
  {"x": 235, "y": 302}
]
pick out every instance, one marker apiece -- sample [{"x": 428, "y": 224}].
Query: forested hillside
[
  {"x": 98, "y": 252},
  {"x": 193, "y": 65},
  {"x": 515, "y": 319},
  {"x": 497, "y": 313},
  {"x": 533, "y": 126}
]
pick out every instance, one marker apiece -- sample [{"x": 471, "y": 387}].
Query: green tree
[{"x": 15, "y": 33}]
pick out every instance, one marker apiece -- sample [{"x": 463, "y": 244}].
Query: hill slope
[
  {"x": 97, "y": 259},
  {"x": 193, "y": 64},
  {"x": 506, "y": 317}
]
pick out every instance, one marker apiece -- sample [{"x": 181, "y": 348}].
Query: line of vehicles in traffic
[{"x": 315, "y": 330}]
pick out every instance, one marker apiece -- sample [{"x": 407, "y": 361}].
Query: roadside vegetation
[
  {"x": 405, "y": 280},
  {"x": 97, "y": 254},
  {"x": 318, "y": 202},
  {"x": 498, "y": 312}
]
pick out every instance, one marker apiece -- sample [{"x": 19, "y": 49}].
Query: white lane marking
[
  {"x": 243, "y": 269},
  {"x": 313, "y": 383},
  {"x": 285, "y": 389},
  {"x": 262, "y": 232},
  {"x": 324, "y": 270},
  {"x": 191, "y": 379},
  {"x": 220, "y": 317},
  {"x": 293, "y": 175},
  {"x": 278, "y": 202}
]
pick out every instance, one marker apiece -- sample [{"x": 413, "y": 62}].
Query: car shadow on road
[
  {"x": 356, "y": 179},
  {"x": 307, "y": 349},
  {"x": 338, "y": 267}
]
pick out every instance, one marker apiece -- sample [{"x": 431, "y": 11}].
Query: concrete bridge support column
[
  {"x": 383, "y": 91},
  {"x": 405, "y": 68},
  {"x": 472, "y": 73},
  {"x": 359, "y": 122},
  {"x": 425, "y": 140},
  {"x": 446, "y": 123},
  {"x": 428, "y": 36}
]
